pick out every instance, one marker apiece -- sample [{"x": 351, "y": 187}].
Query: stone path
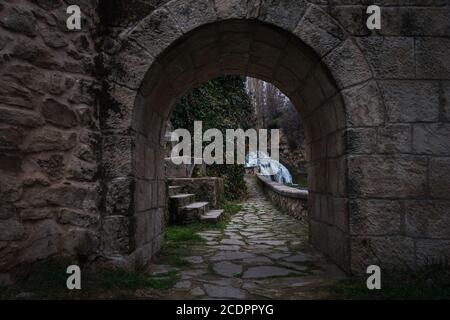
[{"x": 261, "y": 254}]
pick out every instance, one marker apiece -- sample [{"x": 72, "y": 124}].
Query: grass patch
[
  {"x": 179, "y": 239},
  {"x": 429, "y": 283},
  {"x": 48, "y": 281},
  {"x": 231, "y": 208},
  {"x": 183, "y": 234}
]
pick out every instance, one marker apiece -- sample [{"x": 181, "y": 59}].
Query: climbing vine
[{"x": 223, "y": 104}]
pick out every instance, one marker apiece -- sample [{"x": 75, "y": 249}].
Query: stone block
[
  {"x": 117, "y": 156},
  {"x": 191, "y": 14},
  {"x": 439, "y": 183},
  {"x": 282, "y": 13},
  {"x": 351, "y": 17},
  {"x": 115, "y": 235},
  {"x": 336, "y": 144},
  {"x": 80, "y": 242},
  {"x": 142, "y": 255},
  {"x": 80, "y": 170},
  {"x": 11, "y": 138},
  {"x": 265, "y": 55},
  {"x": 312, "y": 96},
  {"x": 78, "y": 218},
  {"x": 158, "y": 221},
  {"x": 390, "y": 57},
  {"x": 143, "y": 195},
  {"x": 130, "y": 66},
  {"x": 445, "y": 100},
  {"x": 20, "y": 117},
  {"x": 287, "y": 80},
  {"x": 339, "y": 207},
  {"x": 36, "y": 214},
  {"x": 361, "y": 140},
  {"x": 139, "y": 156},
  {"x": 427, "y": 219},
  {"x": 82, "y": 197},
  {"x": 363, "y": 105},
  {"x": 11, "y": 165},
  {"x": 348, "y": 64},
  {"x": 433, "y": 139},
  {"x": 432, "y": 251},
  {"x": 339, "y": 247},
  {"x": 395, "y": 138},
  {"x": 19, "y": 19},
  {"x": 319, "y": 236},
  {"x": 117, "y": 107},
  {"x": 144, "y": 227},
  {"x": 336, "y": 176},
  {"x": 157, "y": 243},
  {"x": 388, "y": 252},
  {"x": 375, "y": 217},
  {"x": 432, "y": 58},
  {"x": 48, "y": 139},
  {"x": 297, "y": 58},
  {"x": 411, "y": 101},
  {"x": 147, "y": 33},
  {"x": 119, "y": 196},
  {"x": 417, "y": 19},
  {"x": 318, "y": 30},
  {"x": 231, "y": 9},
  {"x": 43, "y": 241},
  {"x": 11, "y": 230},
  {"x": 37, "y": 54},
  {"x": 387, "y": 176}
]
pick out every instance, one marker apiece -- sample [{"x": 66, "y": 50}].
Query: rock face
[
  {"x": 49, "y": 200},
  {"x": 81, "y": 119}
]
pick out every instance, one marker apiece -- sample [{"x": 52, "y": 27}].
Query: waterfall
[{"x": 268, "y": 167}]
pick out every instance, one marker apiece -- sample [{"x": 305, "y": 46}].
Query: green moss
[
  {"x": 231, "y": 208},
  {"x": 184, "y": 234}
]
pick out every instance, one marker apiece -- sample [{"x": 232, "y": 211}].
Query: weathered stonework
[
  {"x": 81, "y": 111},
  {"x": 50, "y": 188},
  {"x": 290, "y": 200},
  {"x": 209, "y": 189}
]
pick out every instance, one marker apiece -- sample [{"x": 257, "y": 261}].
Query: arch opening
[{"x": 249, "y": 48}]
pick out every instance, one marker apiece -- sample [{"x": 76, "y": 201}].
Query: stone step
[
  {"x": 194, "y": 211},
  {"x": 212, "y": 215},
  {"x": 173, "y": 190},
  {"x": 180, "y": 200}
]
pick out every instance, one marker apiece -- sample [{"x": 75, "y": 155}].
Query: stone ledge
[
  {"x": 284, "y": 190},
  {"x": 293, "y": 201}
]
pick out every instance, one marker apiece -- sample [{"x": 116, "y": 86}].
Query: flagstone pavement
[{"x": 262, "y": 253}]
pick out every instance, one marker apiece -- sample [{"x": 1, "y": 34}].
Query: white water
[{"x": 268, "y": 167}]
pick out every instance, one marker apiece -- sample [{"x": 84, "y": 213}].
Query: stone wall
[
  {"x": 49, "y": 133},
  {"x": 291, "y": 200},
  {"x": 210, "y": 189}
]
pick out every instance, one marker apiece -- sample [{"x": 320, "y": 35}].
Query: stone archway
[{"x": 300, "y": 49}]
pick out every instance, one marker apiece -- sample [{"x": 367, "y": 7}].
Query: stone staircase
[{"x": 184, "y": 209}]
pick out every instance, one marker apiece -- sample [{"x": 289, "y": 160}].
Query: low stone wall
[
  {"x": 209, "y": 189},
  {"x": 292, "y": 200}
]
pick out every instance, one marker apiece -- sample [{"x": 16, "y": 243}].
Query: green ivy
[{"x": 223, "y": 104}]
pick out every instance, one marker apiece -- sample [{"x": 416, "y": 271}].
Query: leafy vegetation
[
  {"x": 221, "y": 103},
  {"x": 427, "y": 283},
  {"x": 179, "y": 239}
]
